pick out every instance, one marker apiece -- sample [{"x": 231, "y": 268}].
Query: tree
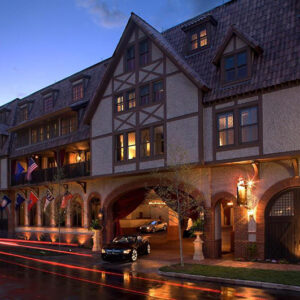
[{"x": 175, "y": 187}]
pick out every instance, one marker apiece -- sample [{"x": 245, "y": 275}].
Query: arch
[
  {"x": 93, "y": 207},
  {"x": 262, "y": 205},
  {"x": 76, "y": 211}
]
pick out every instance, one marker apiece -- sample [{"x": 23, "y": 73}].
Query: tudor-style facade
[{"x": 222, "y": 87}]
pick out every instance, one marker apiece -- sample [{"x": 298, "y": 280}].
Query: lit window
[
  {"x": 225, "y": 129},
  {"x": 130, "y": 99},
  {"x": 145, "y": 143},
  {"x": 158, "y": 91},
  {"x": 130, "y": 59},
  {"x": 144, "y": 95},
  {"x": 78, "y": 91},
  {"x": 236, "y": 67},
  {"x": 131, "y": 150},
  {"x": 144, "y": 53},
  {"x": 203, "y": 38},
  {"x": 119, "y": 103},
  {"x": 194, "y": 41},
  {"x": 48, "y": 103},
  {"x": 54, "y": 129},
  {"x": 249, "y": 124},
  {"x": 198, "y": 39},
  {"x": 120, "y": 147},
  {"x": 158, "y": 140}
]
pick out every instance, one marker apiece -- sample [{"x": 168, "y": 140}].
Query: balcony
[{"x": 43, "y": 175}]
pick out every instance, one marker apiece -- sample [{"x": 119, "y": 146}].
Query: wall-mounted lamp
[{"x": 242, "y": 192}]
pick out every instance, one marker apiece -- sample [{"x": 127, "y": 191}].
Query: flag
[
  {"x": 19, "y": 201},
  {"x": 67, "y": 196},
  {"x": 31, "y": 167},
  {"x": 5, "y": 202},
  {"x": 32, "y": 200},
  {"x": 19, "y": 170},
  {"x": 49, "y": 198}
]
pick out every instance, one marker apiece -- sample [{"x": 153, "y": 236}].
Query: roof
[{"x": 270, "y": 24}]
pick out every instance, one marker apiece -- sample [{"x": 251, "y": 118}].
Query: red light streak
[
  {"x": 113, "y": 273},
  {"x": 39, "y": 242},
  {"x": 86, "y": 280},
  {"x": 46, "y": 249}
]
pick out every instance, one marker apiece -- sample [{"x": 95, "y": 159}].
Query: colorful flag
[
  {"x": 31, "y": 167},
  {"x": 5, "y": 202},
  {"x": 49, "y": 198},
  {"x": 19, "y": 170},
  {"x": 19, "y": 201},
  {"x": 67, "y": 196},
  {"x": 32, "y": 200}
]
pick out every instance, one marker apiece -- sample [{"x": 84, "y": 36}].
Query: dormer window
[
  {"x": 198, "y": 39},
  {"x": 144, "y": 53},
  {"x": 78, "y": 91},
  {"x": 235, "y": 67},
  {"x": 24, "y": 113},
  {"x": 130, "y": 59},
  {"x": 48, "y": 103}
]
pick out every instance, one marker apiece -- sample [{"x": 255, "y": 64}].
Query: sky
[{"x": 43, "y": 41}]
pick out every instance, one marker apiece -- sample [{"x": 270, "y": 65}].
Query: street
[{"x": 24, "y": 276}]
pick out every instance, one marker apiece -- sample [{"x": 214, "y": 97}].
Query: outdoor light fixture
[
  {"x": 100, "y": 215},
  {"x": 230, "y": 203},
  {"x": 242, "y": 192}
]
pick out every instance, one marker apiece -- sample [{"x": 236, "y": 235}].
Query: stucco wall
[
  {"x": 102, "y": 119},
  {"x": 281, "y": 122},
  {"x": 182, "y": 96},
  {"x": 208, "y": 134},
  {"x": 230, "y": 154},
  {"x": 102, "y": 156},
  {"x": 182, "y": 139},
  {"x": 4, "y": 173}
]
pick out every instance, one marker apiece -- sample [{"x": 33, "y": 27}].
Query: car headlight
[
  {"x": 103, "y": 251},
  {"x": 148, "y": 227},
  {"x": 127, "y": 251}
]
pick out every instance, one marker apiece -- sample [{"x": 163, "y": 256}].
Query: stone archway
[{"x": 262, "y": 205}]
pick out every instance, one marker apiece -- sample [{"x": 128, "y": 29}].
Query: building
[{"x": 224, "y": 86}]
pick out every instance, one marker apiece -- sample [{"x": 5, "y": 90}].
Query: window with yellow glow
[
  {"x": 120, "y": 147},
  {"x": 198, "y": 39},
  {"x": 225, "y": 129},
  {"x": 119, "y": 103},
  {"x": 131, "y": 148},
  {"x": 130, "y": 99}
]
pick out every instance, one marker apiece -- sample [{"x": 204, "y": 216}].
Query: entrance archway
[{"x": 282, "y": 235}]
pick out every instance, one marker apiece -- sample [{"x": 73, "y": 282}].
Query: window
[
  {"x": 34, "y": 136},
  {"x": 131, "y": 150},
  {"x": 158, "y": 91},
  {"x": 78, "y": 91},
  {"x": 24, "y": 113},
  {"x": 120, "y": 147},
  {"x": 158, "y": 140},
  {"x": 41, "y": 134},
  {"x": 54, "y": 128},
  {"x": 48, "y": 103},
  {"x": 47, "y": 132},
  {"x": 130, "y": 59},
  {"x": 144, "y": 53},
  {"x": 248, "y": 125},
  {"x": 235, "y": 67},
  {"x": 198, "y": 39},
  {"x": 145, "y": 143},
  {"x": 120, "y": 103},
  {"x": 130, "y": 99},
  {"x": 125, "y": 146},
  {"x": 3, "y": 139},
  {"x": 68, "y": 125},
  {"x": 144, "y": 95},
  {"x": 225, "y": 129},
  {"x": 283, "y": 206},
  {"x": 152, "y": 141},
  {"x": 76, "y": 208}
]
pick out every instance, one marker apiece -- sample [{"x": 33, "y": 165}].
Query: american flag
[
  {"x": 49, "y": 198},
  {"x": 31, "y": 167}
]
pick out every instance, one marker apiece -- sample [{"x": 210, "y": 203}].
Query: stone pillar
[
  {"x": 240, "y": 231},
  {"x": 26, "y": 217},
  {"x": 68, "y": 214},
  {"x": 85, "y": 212},
  {"x": 39, "y": 213},
  {"x": 52, "y": 213}
]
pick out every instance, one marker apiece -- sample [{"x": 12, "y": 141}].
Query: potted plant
[{"x": 97, "y": 228}]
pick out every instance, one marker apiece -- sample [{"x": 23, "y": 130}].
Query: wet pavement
[{"x": 25, "y": 276}]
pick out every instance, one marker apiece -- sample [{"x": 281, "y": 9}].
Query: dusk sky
[{"x": 43, "y": 41}]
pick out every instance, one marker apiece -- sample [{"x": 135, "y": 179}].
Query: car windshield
[
  {"x": 153, "y": 223},
  {"x": 124, "y": 239}
]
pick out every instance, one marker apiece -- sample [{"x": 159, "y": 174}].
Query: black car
[{"x": 126, "y": 247}]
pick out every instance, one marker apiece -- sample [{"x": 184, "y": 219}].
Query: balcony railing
[{"x": 42, "y": 175}]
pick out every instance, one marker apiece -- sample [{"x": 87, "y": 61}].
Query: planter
[
  {"x": 198, "y": 247},
  {"x": 96, "y": 240}
]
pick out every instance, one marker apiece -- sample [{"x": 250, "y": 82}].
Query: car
[
  {"x": 153, "y": 226},
  {"x": 126, "y": 247}
]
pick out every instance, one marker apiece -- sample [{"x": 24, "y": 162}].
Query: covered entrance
[{"x": 282, "y": 219}]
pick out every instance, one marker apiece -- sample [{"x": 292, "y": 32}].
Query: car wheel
[
  {"x": 134, "y": 255},
  {"x": 148, "y": 249}
]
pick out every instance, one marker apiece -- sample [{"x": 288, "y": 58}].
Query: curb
[{"x": 260, "y": 284}]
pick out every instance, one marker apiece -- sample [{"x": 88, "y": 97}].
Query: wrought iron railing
[{"x": 43, "y": 175}]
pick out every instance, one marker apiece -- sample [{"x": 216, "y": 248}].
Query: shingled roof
[{"x": 271, "y": 24}]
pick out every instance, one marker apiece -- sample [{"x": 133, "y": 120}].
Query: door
[{"x": 282, "y": 226}]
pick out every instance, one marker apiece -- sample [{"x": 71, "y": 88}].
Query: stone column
[
  {"x": 85, "y": 212},
  {"x": 68, "y": 214},
  {"x": 26, "y": 217},
  {"x": 39, "y": 213}
]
